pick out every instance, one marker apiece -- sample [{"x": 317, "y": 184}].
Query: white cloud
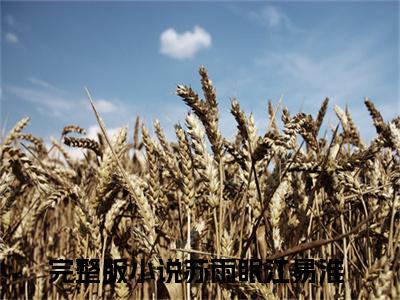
[
  {"x": 42, "y": 98},
  {"x": 184, "y": 45},
  {"x": 78, "y": 153},
  {"x": 273, "y": 17},
  {"x": 337, "y": 75},
  {"x": 47, "y": 99},
  {"x": 311, "y": 71},
  {"x": 345, "y": 76},
  {"x": 270, "y": 16},
  {"x": 42, "y": 83},
  {"x": 95, "y": 129},
  {"x": 104, "y": 106},
  {"x": 9, "y": 20},
  {"x": 11, "y": 38},
  {"x": 75, "y": 153}
]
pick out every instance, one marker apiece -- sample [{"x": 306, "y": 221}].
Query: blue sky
[{"x": 131, "y": 56}]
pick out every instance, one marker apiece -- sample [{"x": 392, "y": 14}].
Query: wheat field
[{"x": 293, "y": 192}]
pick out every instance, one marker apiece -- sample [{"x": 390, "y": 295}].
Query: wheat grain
[{"x": 252, "y": 196}]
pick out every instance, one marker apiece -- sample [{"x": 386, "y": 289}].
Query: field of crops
[{"x": 303, "y": 191}]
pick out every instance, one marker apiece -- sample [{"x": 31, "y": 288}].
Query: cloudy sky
[{"x": 131, "y": 56}]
